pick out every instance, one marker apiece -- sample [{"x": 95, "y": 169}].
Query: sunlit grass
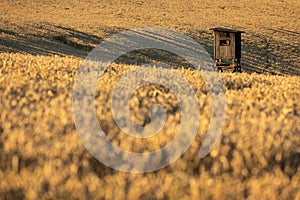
[{"x": 42, "y": 156}]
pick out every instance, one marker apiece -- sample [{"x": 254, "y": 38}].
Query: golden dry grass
[
  {"x": 42, "y": 44},
  {"x": 42, "y": 156},
  {"x": 270, "y": 44}
]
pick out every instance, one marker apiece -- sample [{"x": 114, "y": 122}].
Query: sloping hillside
[
  {"x": 270, "y": 44},
  {"x": 43, "y": 43}
]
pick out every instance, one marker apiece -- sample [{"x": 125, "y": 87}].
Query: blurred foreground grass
[{"x": 42, "y": 157}]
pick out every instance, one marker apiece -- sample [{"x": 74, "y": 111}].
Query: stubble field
[{"x": 42, "y": 46}]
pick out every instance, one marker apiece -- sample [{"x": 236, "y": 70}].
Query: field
[{"x": 42, "y": 45}]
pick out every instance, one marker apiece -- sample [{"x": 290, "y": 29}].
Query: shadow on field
[
  {"x": 48, "y": 39},
  {"x": 13, "y": 194},
  {"x": 260, "y": 53}
]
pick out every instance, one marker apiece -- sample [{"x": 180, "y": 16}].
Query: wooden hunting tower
[{"x": 227, "y": 47}]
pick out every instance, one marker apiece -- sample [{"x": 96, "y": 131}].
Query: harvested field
[{"x": 42, "y": 45}]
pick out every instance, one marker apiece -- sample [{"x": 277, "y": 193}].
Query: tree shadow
[{"x": 49, "y": 39}]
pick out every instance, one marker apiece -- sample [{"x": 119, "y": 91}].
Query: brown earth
[{"x": 42, "y": 45}]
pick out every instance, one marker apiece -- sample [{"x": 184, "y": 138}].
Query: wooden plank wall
[{"x": 224, "y": 52}]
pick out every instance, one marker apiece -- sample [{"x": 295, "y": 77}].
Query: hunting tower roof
[{"x": 226, "y": 30}]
